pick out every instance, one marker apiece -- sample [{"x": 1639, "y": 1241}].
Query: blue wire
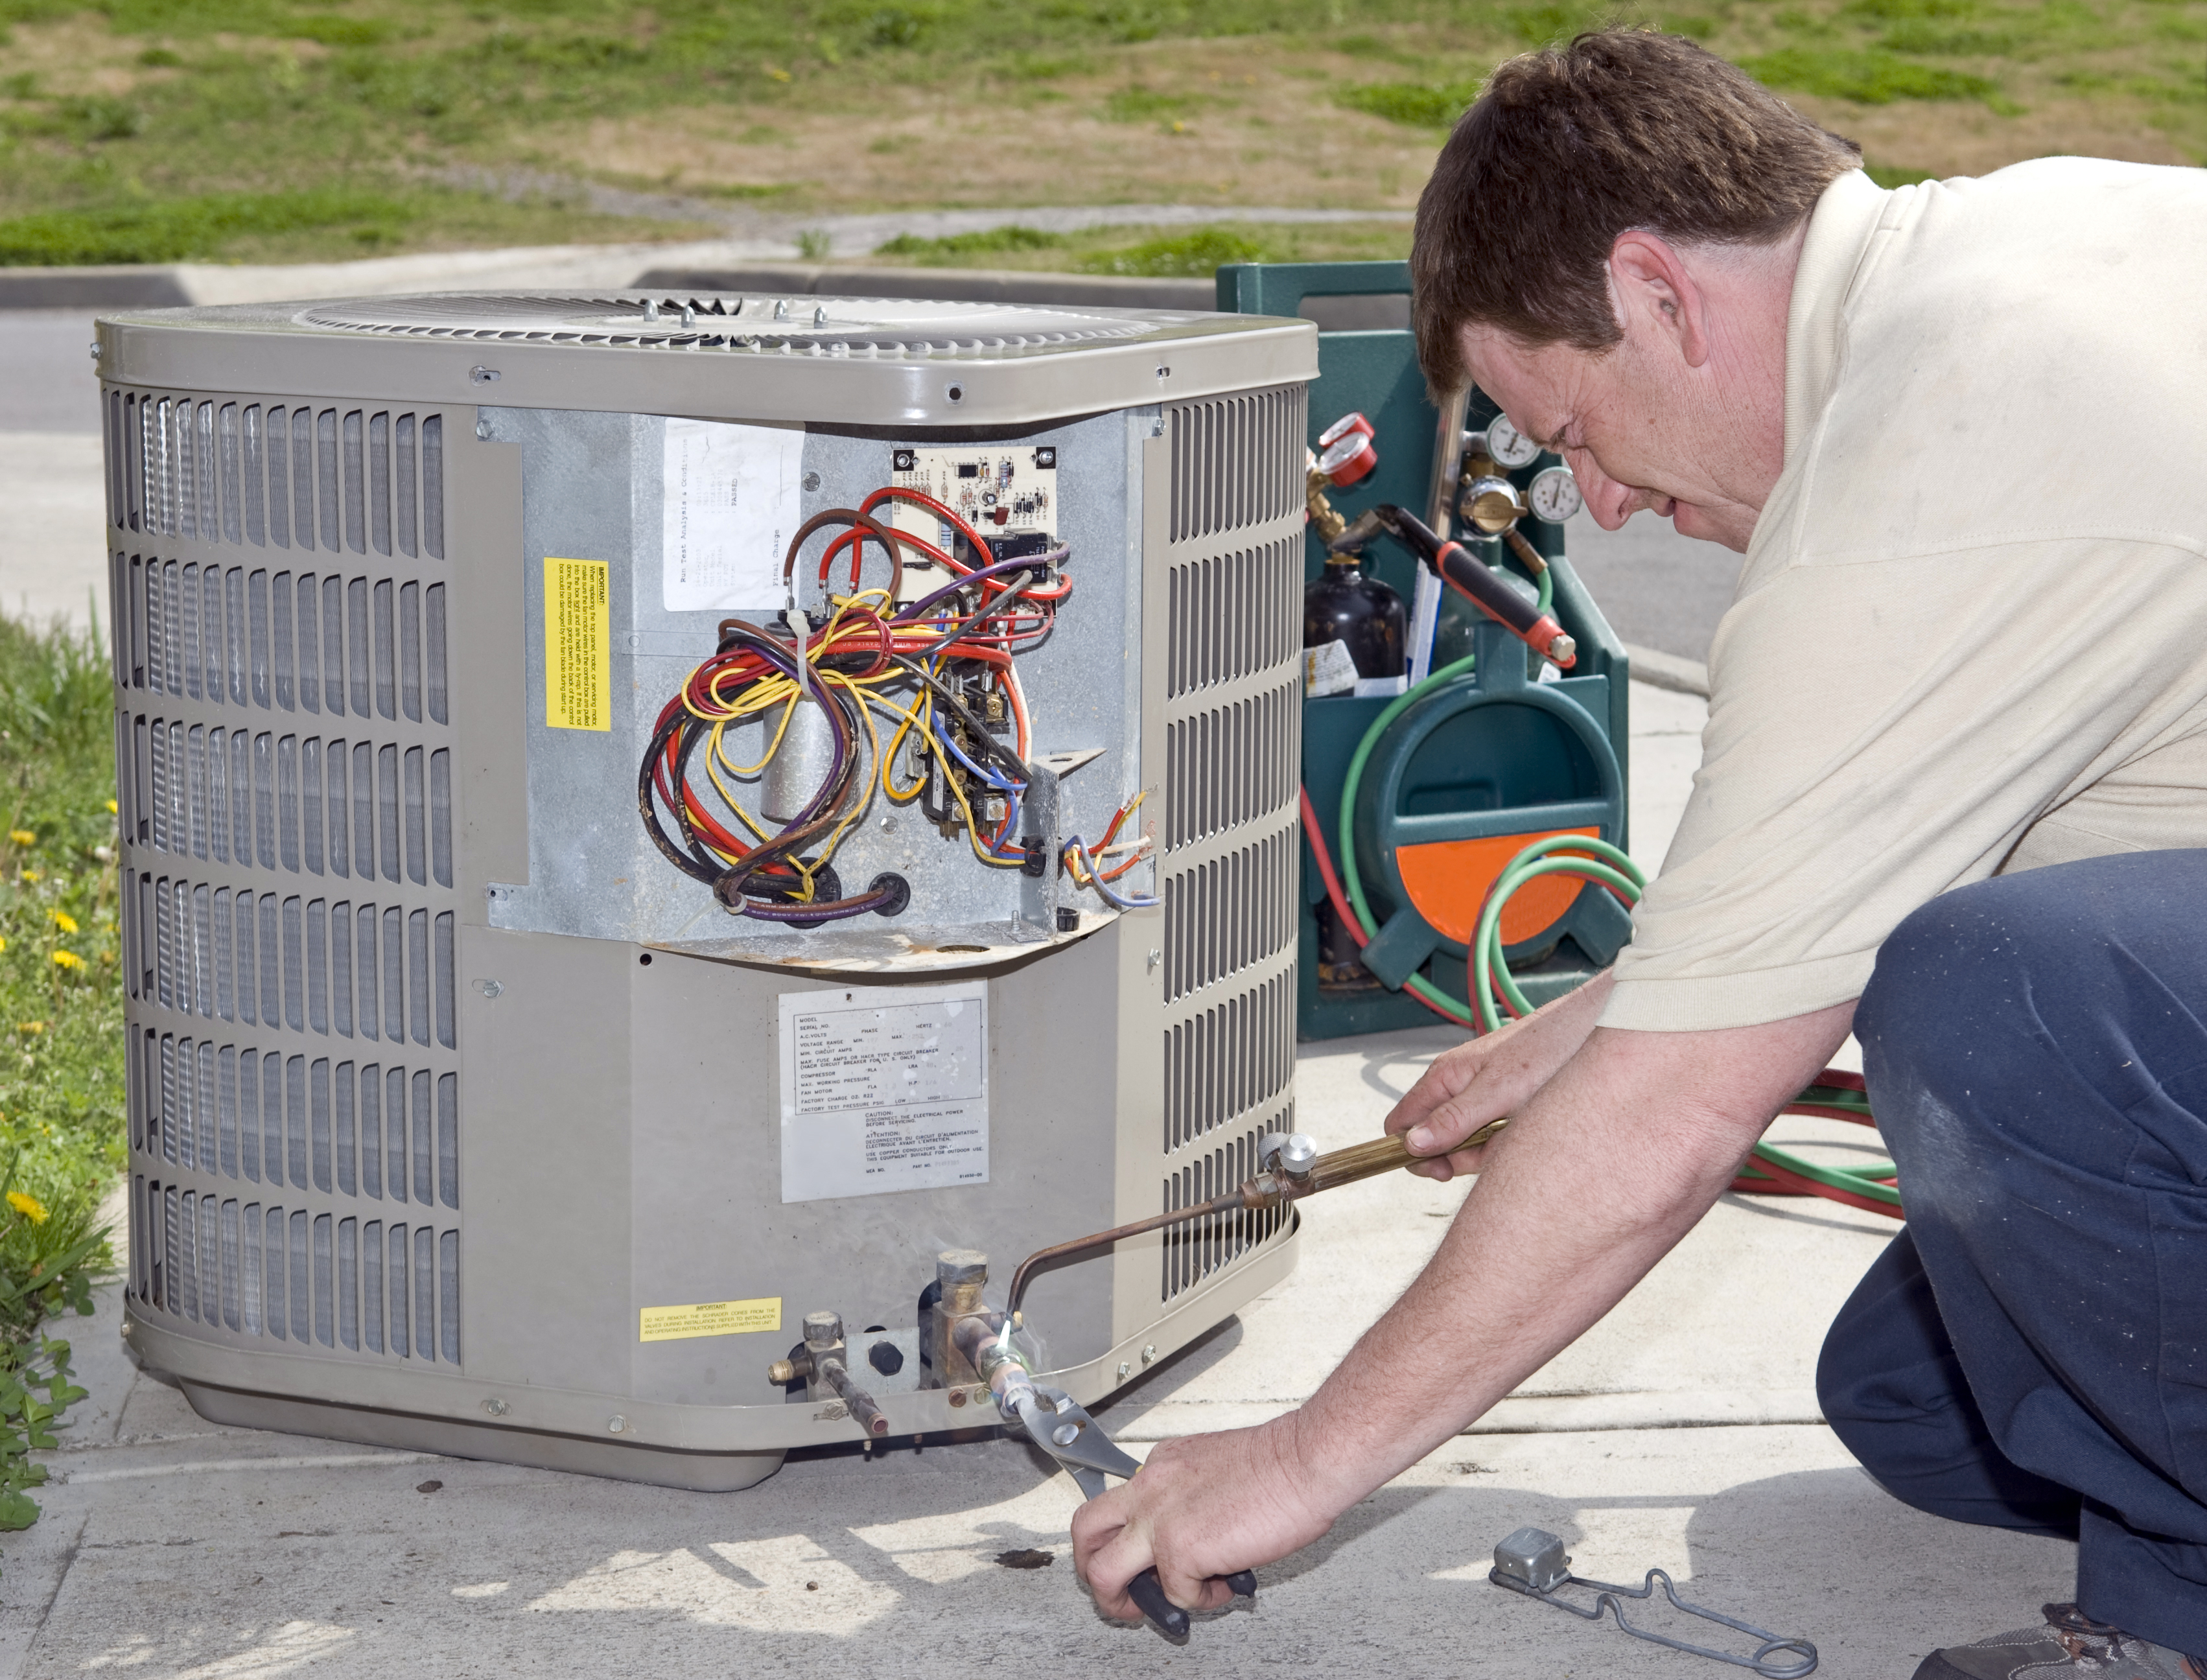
[{"x": 1095, "y": 879}]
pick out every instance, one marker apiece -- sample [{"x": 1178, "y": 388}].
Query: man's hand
[
  {"x": 1490, "y": 1077},
  {"x": 1201, "y": 1508},
  {"x": 1607, "y": 1165}
]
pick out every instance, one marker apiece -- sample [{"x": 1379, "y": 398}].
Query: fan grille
[{"x": 802, "y": 325}]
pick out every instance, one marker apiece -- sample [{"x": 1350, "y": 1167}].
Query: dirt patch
[{"x": 1235, "y": 123}]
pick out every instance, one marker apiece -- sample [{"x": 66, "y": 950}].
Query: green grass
[
  {"x": 175, "y": 230},
  {"x": 1201, "y": 253},
  {"x": 1415, "y": 104},
  {"x": 62, "y": 1139},
  {"x": 1870, "y": 77},
  {"x": 1184, "y": 251},
  {"x": 265, "y": 130},
  {"x": 958, "y": 250}
]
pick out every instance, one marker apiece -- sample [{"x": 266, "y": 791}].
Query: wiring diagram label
[
  {"x": 578, "y": 662},
  {"x": 731, "y": 499},
  {"x": 883, "y": 1088}
]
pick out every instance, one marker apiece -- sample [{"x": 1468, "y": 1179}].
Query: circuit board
[{"x": 1002, "y": 493}]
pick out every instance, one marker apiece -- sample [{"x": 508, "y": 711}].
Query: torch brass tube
[{"x": 1268, "y": 1189}]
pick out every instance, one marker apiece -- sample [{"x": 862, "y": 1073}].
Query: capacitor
[{"x": 800, "y": 767}]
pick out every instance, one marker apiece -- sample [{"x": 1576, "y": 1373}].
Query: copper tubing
[
  {"x": 863, "y": 1412},
  {"x": 1268, "y": 1189}
]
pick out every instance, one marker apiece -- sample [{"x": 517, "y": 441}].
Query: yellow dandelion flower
[
  {"x": 30, "y": 1026},
  {"x": 67, "y": 959},
  {"x": 111, "y": 808},
  {"x": 29, "y": 1206},
  {"x": 32, "y": 875},
  {"x": 22, "y": 837},
  {"x": 63, "y": 920},
  {"x": 4, "y": 942}
]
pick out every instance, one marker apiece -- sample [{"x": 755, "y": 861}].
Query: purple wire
[{"x": 1026, "y": 563}]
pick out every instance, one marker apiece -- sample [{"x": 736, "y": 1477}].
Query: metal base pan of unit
[
  {"x": 700, "y": 1465},
  {"x": 661, "y": 1467}
]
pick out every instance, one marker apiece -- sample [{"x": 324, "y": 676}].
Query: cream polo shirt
[{"x": 1971, "y": 630}]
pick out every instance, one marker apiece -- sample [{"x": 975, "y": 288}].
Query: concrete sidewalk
[{"x": 1681, "y": 1432}]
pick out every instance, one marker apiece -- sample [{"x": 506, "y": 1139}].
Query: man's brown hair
[{"x": 1565, "y": 150}]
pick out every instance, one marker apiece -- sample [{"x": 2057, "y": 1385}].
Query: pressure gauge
[
  {"x": 1351, "y": 421},
  {"x": 1348, "y": 458},
  {"x": 1507, "y": 445},
  {"x": 1490, "y": 505},
  {"x": 1554, "y": 495}
]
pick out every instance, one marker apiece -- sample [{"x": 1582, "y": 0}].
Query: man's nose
[{"x": 1611, "y": 503}]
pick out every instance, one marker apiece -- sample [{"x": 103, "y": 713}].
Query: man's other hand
[
  {"x": 1488, "y": 1078},
  {"x": 1201, "y": 1508}
]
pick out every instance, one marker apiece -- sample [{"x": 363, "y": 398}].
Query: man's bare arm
[{"x": 1600, "y": 1173}]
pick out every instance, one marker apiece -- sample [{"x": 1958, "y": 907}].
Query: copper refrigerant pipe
[{"x": 1270, "y": 1189}]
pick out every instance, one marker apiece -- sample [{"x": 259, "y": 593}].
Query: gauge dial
[
  {"x": 1507, "y": 445},
  {"x": 1347, "y": 459},
  {"x": 1554, "y": 495},
  {"x": 1342, "y": 428}
]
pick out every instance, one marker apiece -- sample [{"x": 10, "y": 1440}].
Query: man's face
[{"x": 1683, "y": 415}]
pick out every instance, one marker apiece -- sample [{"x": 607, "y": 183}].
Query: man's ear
[{"x": 1651, "y": 288}]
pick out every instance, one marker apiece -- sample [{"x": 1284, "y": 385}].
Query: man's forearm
[{"x": 1598, "y": 1176}]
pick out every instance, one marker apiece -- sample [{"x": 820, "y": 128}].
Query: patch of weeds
[
  {"x": 161, "y": 58},
  {"x": 175, "y": 229},
  {"x": 813, "y": 245},
  {"x": 760, "y": 133},
  {"x": 1415, "y": 104},
  {"x": 22, "y": 84},
  {"x": 1033, "y": 67},
  {"x": 739, "y": 189},
  {"x": 1546, "y": 25},
  {"x": 100, "y": 116},
  {"x": 1144, "y": 105},
  {"x": 1199, "y": 254},
  {"x": 952, "y": 249},
  {"x": 1889, "y": 176},
  {"x": 1938, "y": 40},
  {"x": 329, "y": 30},
  {"x": 1869, "y": 77},
  {"x": 61, "y": 1005},
  {"x": 894, "y": 26}
]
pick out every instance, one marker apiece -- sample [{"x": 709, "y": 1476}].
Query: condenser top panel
[{"x": 733, "y": 356}]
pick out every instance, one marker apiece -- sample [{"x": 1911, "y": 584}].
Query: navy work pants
[{"x": 2032, "y": 1351}]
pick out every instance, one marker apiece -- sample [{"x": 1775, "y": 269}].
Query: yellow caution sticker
[
  {"x": 710, "y": 1318},
  {"x": 579, "y": 659}
]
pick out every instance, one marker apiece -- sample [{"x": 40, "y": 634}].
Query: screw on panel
[
  {"x": 495, "y": 1406},
  {"x": 616, "y": 1423},
  {"x": 812, "y": 481},
  {"x": 483, "y": 375},
  {"x": 95, "y": 349},
  {"x": 1156, "y": 957},
  {"x": 1150, "y": 1353},
  {"x": 1125, "y": 1368},
  {"x": 490, "y": 987}
]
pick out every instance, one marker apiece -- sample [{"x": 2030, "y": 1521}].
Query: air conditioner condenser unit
[{"x": 646, "y": 818}]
